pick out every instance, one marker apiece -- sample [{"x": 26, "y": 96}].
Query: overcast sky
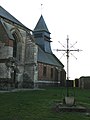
[{"x": 63, "y": 17}]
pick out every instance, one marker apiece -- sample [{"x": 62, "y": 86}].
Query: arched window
[{"x": 17, "y": 46}]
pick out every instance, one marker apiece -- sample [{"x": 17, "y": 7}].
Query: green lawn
[{"x": 37, "y": 104}]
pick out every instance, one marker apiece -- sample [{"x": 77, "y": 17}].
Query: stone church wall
[
  {"x": 16, "y": 72},
  {"x": 30, "y": 70}
]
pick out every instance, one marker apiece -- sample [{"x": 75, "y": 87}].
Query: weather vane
[{"x": 67, "y": 51}]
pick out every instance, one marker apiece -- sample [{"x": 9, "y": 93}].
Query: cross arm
[
  {"x": 60, "y": 50},
  {"x": 76, "y": 50}
]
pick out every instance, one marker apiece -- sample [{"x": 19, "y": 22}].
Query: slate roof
[
  {"x": 41, "y": 25},
  {"x": 44, "y": 56},
  {"x": 48, "y": 58},
  {"x": 8, "y": 16}
]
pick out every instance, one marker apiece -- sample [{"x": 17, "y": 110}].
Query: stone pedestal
[
  {"x": 69, "y": 101},
  {"x": 69, "y": 105}
]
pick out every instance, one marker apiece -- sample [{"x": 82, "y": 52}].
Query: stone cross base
[{"x": 69, "y": 101}]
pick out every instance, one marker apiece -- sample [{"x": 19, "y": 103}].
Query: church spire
[
  {"x": 41, "y": 25},
  {"x": 42, "y": 35}
]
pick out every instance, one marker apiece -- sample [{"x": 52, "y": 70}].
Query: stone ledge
[{"x": 72, "y": 109}]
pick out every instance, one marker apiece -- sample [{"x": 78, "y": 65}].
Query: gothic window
[
  {"x": 44, "y": 70},
  {"x": 14, "y": 46},
  {"x": 17, "y": 46}
]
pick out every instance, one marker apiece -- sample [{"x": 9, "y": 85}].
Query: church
[{"x": 26, "y": 58}]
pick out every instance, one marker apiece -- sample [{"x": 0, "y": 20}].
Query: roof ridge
[{"x": 5, "y": 14}]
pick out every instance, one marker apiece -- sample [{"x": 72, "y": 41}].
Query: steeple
[
  {"x": 42, "y": 35},
  {"x": 41, "y": 25}
]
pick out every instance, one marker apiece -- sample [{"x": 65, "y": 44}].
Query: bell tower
[{"x": 42, "y": 35}]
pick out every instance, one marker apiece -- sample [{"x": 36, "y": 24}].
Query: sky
[{"x": 62, "y": 17}]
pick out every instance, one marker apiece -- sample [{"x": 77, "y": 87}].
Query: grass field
[{"x": 37, "y": 104}]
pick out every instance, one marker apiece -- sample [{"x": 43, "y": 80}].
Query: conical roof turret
[{"x": 41, "y": 25}]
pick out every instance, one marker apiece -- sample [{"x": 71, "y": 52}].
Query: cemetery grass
[{"x": 38, "y": 104}]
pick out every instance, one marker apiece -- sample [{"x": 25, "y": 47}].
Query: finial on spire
[
  {"x": 41, "y": 7},
  {"x": 67, "y": 37}
]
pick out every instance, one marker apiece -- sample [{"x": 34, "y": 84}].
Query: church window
[
  {"x": 44, "y": 70},
  {"x": 14, "y": 46},
  {"x": 51, "y": 72},
  {"x": 17, "y": 47}
]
